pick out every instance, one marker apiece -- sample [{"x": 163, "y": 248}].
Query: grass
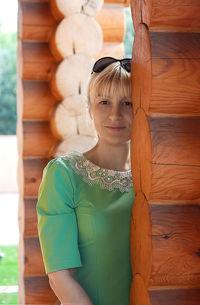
[
  {"x": 9, "y": 273},
  {"x": 9, "y": 298}
]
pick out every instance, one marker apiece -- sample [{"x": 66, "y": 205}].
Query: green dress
[{"x": 84, "y": 223}]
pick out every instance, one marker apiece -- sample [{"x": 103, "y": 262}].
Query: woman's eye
[
  {"x": 104, "y": 102},
  {"x": 127, "y": 103}
]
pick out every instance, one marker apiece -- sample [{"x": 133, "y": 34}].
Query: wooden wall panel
[
  {"x": 178, "y": 296},
  {"x": 176, "y": 252},
  {"x": 174, "y": 122},
  {"x": 36, "y": 106},
  {"x": 44, "y": 295},
  {"x": 30, "y": 225},
  {"x": 33, "y": 169},
  {"x": 39, "y": 102}
]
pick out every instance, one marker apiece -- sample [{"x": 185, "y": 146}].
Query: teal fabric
[{"x": 86, "y": 227}]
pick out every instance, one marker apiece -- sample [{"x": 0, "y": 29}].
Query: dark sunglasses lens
[
  {"x": 102, "y": 63},
  {"x": 126, "y": 64}
]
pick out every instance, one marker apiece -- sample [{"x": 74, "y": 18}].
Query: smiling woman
[{"x": 84, "y": 197}]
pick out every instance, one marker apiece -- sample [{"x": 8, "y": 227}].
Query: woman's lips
[{"x": 115, "y": 128}]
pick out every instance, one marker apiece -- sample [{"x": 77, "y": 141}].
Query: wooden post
[{"x": 166, "y": 153}]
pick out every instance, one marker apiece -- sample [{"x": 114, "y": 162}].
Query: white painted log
[
  {"x": 75, "y": 104},
  {"x": 85, "y": 125},
  {"x": 78, "y": 34},
  {"x": 89, "y": 7},
  {"x": 64, "y": 123},
  {"x": 72, "y": 75},
  {"x": 112, "y": 49},
  {"x": 75, "y": 143}
]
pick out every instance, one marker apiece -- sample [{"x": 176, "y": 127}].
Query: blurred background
[{"x": 9, "y": 233}]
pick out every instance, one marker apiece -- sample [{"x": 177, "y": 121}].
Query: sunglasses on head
[{"x": 104, "y": 62}]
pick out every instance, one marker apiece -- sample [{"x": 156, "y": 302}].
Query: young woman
[{"x": 85, "y": 200}]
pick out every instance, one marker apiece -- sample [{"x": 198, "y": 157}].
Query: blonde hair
[{"x": 107, "y": 81}]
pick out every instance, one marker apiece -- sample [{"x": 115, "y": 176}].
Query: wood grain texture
[
  {"x": 111, "y": 19},
  {"x": 38, "y": 291},
  {"x": 33, "y": 263},
  {"x": 175, "y": 86},
  {"x": 33, "y": 169},
  {"x": 141, "y": 154},
  {"x": 141, "y": 238},
  {"x": 38, "y": 62},
  {"x": 176, "y": 247},
  {"x": 175, "y": 295},
  {"x": 38, "y": 139},
  {"x": 38, "y": 21},
  {"x": 175, "y": 182},
  {"x": 38, "y": 101},
  {"x": 30, "y": 217},
  {"x": 141, "y": 12},
  {"x": 139, "y": 293},
  {"x": 179, "y": 18},
  {"x": 141, "y": 69},
  {"x": 175, "y": 45}
]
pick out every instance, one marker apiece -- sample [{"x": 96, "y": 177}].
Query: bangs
[{"x": 113, "y": 80}]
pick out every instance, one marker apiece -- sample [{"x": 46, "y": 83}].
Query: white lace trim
[{"x": 93, "y": 174}]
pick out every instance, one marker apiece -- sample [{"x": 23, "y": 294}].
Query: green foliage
[
  {"x": 129, "y": 35},
  {"x": 8, "y": 81}
]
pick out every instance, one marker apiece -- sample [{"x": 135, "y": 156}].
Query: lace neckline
[{"x": 93, "y": 174}]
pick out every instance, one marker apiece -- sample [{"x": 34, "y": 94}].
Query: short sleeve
[{"x": 57, "y": 224}]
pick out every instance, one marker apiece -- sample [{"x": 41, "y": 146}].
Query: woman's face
[{"x": 113, "y": 117}]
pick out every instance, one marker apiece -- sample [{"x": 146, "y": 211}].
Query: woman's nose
[{"x": 115, "y": 112}]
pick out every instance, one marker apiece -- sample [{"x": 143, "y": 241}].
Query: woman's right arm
[{"x": 67, "y": 289}]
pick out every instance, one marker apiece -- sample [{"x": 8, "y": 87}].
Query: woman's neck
[{"x": 115, "y": 157}]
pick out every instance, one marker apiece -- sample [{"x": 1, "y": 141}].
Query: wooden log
[
  {"x": 112, "y": 49},
  {"x": 62, "y": 8},
  {"x": 37, "y": 28},
  {"x": 175, "y": 45},
  {"x": 78, "y": 142},
  {"x": 72, "y": 76},
  {"x": 163, "y": 16},
  {"x": 111, "y": 18},
  {"x": 175, "y": 182},
  {"x": 30, "y": 217},
  {"x": 62, "y": 123},
  {"x": 38, "y": 22},
  {"x": 172, "y": 79},
  {"x": 175, "y": 148},
  {"x": 175, "y": 237},
  {"x": 178, "y": 18},
  {"x": 38, "y": 140},
  {"x": 33, "y": 258},
  {"x": 141, "y": 67},
  {"x": 33, "y": 169},
  {"x": 141, "y": 154},
  {"x": 175, "y": 295},
  {"x": 75, "y": 105},
  {"x": 38, "y": 291},
  {"x": 85, "y": 125},
  {"x": 38, "y": 62},
  {"x": 125, "y": 2},
  {"x": 138, "y": 292},
  {"x": 75, "y": 41},
  {"x": 141, "y": 238},
  {"x": 38, "y": 101}
]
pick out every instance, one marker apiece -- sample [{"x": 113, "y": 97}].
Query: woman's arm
[{"x": 67, "y": 289}]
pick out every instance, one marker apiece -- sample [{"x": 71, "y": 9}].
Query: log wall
[
  {"x": 42, "y": 102},
  {"x": 165, "y": 240}
]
